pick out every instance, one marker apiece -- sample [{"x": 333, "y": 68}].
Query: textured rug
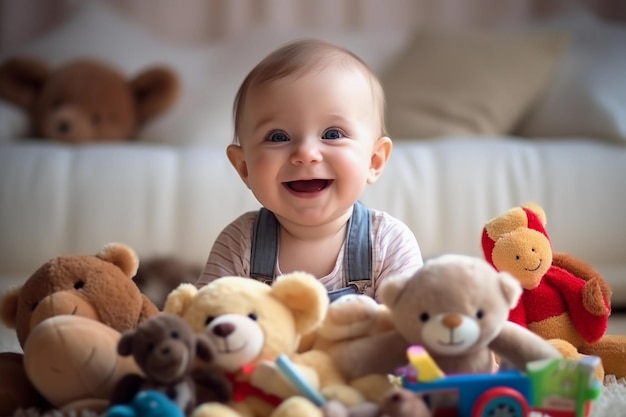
[{"x": 611, "y": 403}]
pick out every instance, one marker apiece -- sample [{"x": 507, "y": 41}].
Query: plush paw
[
  {"x": 593, "y": 298},
  {"x": 268, "y": 378}
]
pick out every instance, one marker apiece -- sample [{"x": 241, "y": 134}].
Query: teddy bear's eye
[
  {"x": 253, "y": 316},
  {"x": 424, "y": 317},
  {"x": 150, "y": 347},
  {"x": 209, "y": 320},
  {"x": 79, "y": 284},
  {"x": 480, "y": 314},
  {"x": 517, "y": 257},
  {"x": 57, "y": 103},
  {"x": 174, "y": 335}
]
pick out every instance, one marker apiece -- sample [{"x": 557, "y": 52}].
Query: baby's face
[{"x": 307, "y": 144}]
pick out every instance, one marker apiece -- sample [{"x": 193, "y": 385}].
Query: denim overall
[{"x": 357, "y": 260}]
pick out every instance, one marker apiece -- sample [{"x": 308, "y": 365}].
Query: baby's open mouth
[{"x": 308, "y": 186}]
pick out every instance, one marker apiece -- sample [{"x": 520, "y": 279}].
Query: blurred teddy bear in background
[
  {"x": 159, "y": 275},
  {"x": 86, "y": 100}
]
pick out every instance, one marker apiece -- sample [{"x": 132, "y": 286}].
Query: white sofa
[{"x": 174, "y": 196}]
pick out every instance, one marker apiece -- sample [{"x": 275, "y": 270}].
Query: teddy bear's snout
[
  {"x": 224, "y": 329},
  {"x": 452, "y": 321}
]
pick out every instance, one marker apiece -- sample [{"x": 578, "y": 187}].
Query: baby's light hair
[{"x": 300, "y": 58}]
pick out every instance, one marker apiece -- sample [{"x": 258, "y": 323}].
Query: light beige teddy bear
[
  {"x": 456, "y": 306},
  {"x": 251, "y": 324}
]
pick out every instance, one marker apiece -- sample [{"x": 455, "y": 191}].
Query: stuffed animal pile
[
  {"x": 564, "y": 299},
  {"x": 86, "y": 100},
  {"x": 214, "y": 351}
]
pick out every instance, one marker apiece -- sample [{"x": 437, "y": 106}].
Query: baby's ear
[
  {"x": 235, "y": 156},
  {"x": 380, "y": 156}
]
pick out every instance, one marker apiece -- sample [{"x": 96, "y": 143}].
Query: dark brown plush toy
[
  {"x": 165, "y": 349},
  {"x": 159, "y": 275},
  {"x": 86, "y": 100}
]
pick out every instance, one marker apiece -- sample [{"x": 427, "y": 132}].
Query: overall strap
[
  {"x": 264, "y": 251},
  {"x": 357, "y": 257},
  {"x": 358, "y": 250},
  {"x": 357, "y": 260}
]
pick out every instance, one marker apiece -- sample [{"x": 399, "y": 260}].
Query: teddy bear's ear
[
  {"x": 8, "y": 306},
  {"x": 391, "y": 289},
  {"x": 125, "y": 344},
  {"x": 305, "y": 296},
  {"x": 510, "y": 287},
  {"x": 22, "y": 79},
  {"x": 155, "y": 90},
  {"x": 121, "y": 255},
  {"x": 506, "y": 222},
  {"x": 179, "y": 300}
]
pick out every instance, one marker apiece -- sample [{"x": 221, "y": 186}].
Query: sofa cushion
[
  {"x": 588, "y": 95},
  {"x": 456, "y": 83}
]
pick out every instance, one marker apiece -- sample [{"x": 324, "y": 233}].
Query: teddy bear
[
  {"x": 165, "y": 348},
  {"x": 564, "y": 299},
  {"x": 456, "y": 307},
  {"x": 86, "y": 100},
  {"x": 251, "y": 323},
  {"x": 68, "y": 316},
  {"x": 157, "y": 276},
  {"x": 350, "y": 317}
]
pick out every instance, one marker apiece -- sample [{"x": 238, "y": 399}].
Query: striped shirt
[{"x": 395, "y": 251}]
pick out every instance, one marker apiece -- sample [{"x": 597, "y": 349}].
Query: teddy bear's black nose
[
  {"x": 224, "y": 329},
  {"x": 64, "y": 126}
]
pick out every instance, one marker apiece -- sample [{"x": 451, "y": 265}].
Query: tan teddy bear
[
  {"x": 251, "y": 324},
  {"x": 456, "y": 306},
  {"x": 564, "y": 299},
  {"x": 348, "y": 318},
  {"x": 69, "y": 316},
  {"x": 86, "y": 100}
]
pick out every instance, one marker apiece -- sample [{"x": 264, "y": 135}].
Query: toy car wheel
[{"x": 501, "y": 402}]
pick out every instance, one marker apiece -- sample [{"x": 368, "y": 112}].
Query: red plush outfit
[
  {"x": 242, "y": 388},
  {"x": 564, "y": 291}
]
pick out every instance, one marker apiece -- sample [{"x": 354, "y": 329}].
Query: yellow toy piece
[{"x": 427, "y": 369}]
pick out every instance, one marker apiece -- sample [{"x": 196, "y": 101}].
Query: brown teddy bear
[
  {"x": 68, "y": 317},
  {"x": 251, "y": 324},
  {"x": 86, "y": 100},
  {"x": 564, "y": 299},
  {"x": 456, "y": 307},
  {"x": 160, "y": 275},
  {"x": 165, "y": 348}
]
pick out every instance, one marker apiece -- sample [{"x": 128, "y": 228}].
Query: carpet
[{"x": 611, "y": 403}]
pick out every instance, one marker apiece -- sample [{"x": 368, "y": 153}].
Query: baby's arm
[
  {"x": 395, "y": 249},
  {"x": 230, "y": 254}
]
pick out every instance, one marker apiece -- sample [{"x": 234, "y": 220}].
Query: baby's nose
[{"x": 306, "y": 152}]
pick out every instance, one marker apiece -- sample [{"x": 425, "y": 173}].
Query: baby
[{"x": 309, "y": 137}]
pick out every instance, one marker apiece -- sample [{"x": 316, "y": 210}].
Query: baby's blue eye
[
  {"x": 332, "y": 134},
  {"x": 278, "y": 137}
]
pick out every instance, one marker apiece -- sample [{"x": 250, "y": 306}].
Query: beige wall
[{"x": 204, "y": 20}]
